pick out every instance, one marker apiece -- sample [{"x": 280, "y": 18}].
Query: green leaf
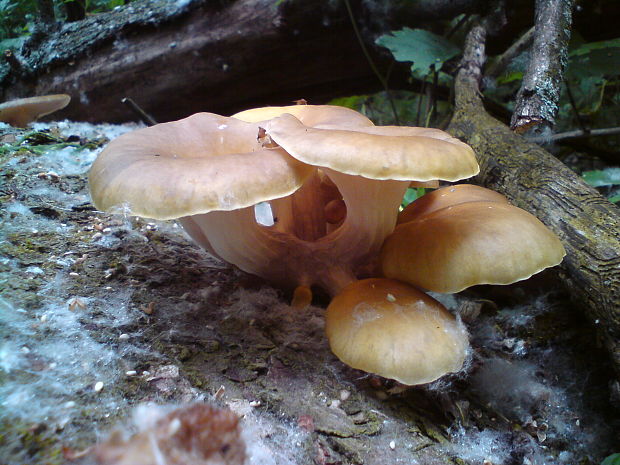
[
  {"x": 510, "y": 77},
  {"x": 615, "y": 199},
  {"x": 613, "y": 459},
  {"x": 423, "y": 48},
  {"x": 412, "y": 194},
  {"x": 606, "y": 177},
  {"x": 595, "y": 59}
]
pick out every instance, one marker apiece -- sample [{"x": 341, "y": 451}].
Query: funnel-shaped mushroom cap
[
  {"x": 310, "y": 115},
  {"x": 376, "y": 152},
  {"x": 392, "y": 329},
  {"x": 470, "y": 243},
  {"x": 199, "y": 164},
  {"x": 446, "y": 197},
  {"x": 24, "y": 111}
]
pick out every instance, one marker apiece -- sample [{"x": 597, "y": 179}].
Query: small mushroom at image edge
[
  {"x": 333, "y": 182},
  {"x": 21, "y": 112}
]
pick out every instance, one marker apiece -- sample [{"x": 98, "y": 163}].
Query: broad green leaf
[
  {"x": 615, "y": 199},
  {"x": 606, "y": 177},
  {"x": 423, "y": 48},
  {"x": 613, "y": 459}
]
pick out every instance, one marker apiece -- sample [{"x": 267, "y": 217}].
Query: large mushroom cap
[
  {"x": 24, "y": 111},
  {"x": 376, "y": 152},
  {"x": 199, "y": 164},
  {"x": 470, "y": 243},
  {"x": 389, "y": 328}
]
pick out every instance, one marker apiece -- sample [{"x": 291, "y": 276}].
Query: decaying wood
[
  {"x": 588, "y": 225},
  {"x": 538, "y": 97},
  {"x": 179, "y": 58}
]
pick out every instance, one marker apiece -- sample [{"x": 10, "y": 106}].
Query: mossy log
[{"x": 533, "y": 179}]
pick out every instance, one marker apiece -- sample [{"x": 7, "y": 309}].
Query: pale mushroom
[
  {"x": 22, "y": 112},
  {"x": 209, "y": 171}
]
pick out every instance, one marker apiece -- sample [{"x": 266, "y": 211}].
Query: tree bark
[
  {"x": 587, "y": 224},
  {"x": 537, "y": 100},
  {"x": 179, "y": 58}
]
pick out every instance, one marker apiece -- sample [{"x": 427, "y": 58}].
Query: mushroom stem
[
  {"x": 337, "y": 279},
  {"x": 371, "y": 212},
  {"x": 308, "y": 210}
]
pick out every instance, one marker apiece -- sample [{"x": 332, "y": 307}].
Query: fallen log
[
  {"x": 178, "y": 58},
  {"x": 533, "y": 179}
]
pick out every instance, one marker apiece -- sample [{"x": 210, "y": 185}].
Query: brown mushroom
[
  {"x": 22, "y": 112},
  {"x": 479, "y": 242},
  {"x": 391, "y": 329}
]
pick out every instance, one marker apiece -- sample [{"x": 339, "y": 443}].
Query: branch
[
  {"x": 537, "y": 100},
  {"x": 500, "y": 64},
  {"x": 577, "y": 134}
]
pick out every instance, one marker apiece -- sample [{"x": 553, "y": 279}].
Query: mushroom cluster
[{"x": 331, "y": 183}]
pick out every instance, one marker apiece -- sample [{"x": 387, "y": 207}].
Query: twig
[
  {"x": 537, "y": 100},
  {"x": 574, "y": 107},
  {"x": 500, "y": 64},
  {"x": 144, "y": 116},
  {"x": 577, "y": 134},
  {"x": 371, "y": 62}
]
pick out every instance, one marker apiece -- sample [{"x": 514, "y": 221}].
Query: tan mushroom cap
[
  {"x": 376, "y": 152},
  {"x": 447, "y": 196},
  {"x": 202, "y": 163},
  {"x": 310, "y": 115},
  {"x": 389, "y": 328},
  {"x": 468, "y": 244},
  {"x": 24, "y": 111}
]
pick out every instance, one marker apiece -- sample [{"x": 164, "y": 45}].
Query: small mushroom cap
[
  {"x": 199, "y": 164},
  {"x": 24, "y": 111},
  {"x": 376, "y": 152},
  {"x": 446, "y": 197},
  {"x": 389, "y": 328},
  {"x": 467, "y": 244},
  {"x": 310, "y": 115}
]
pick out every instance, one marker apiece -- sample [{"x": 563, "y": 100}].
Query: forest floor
[{"x": 101, "y": 314}]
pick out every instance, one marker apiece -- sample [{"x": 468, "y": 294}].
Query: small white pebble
[
  {"x": 344, "y": 395},
  {"x": 43, "y": 318},
  {"x": 98, "y": 386},
  {"x": 391, "y": 298},
  {"x": 124, "y": 337},
  {"x": 131, "y": 373},
  {"x": 97, "y": 236},
  {"x": 578, "y": 423},
  {"x": 146, "y": 373},
  {"x": 108, "y": 288},
  {"x": 392, "y": 445},
  {"x": 255, "y": 403},
  {"x": 74, "y": 274},
  {"x": 106, "y": 230},
  {"x": 69, "y": 404},
  {"x": 335, "y": 403},
  {"x": 25, "y": 350},
  {"x": 53, "y": 365}
]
